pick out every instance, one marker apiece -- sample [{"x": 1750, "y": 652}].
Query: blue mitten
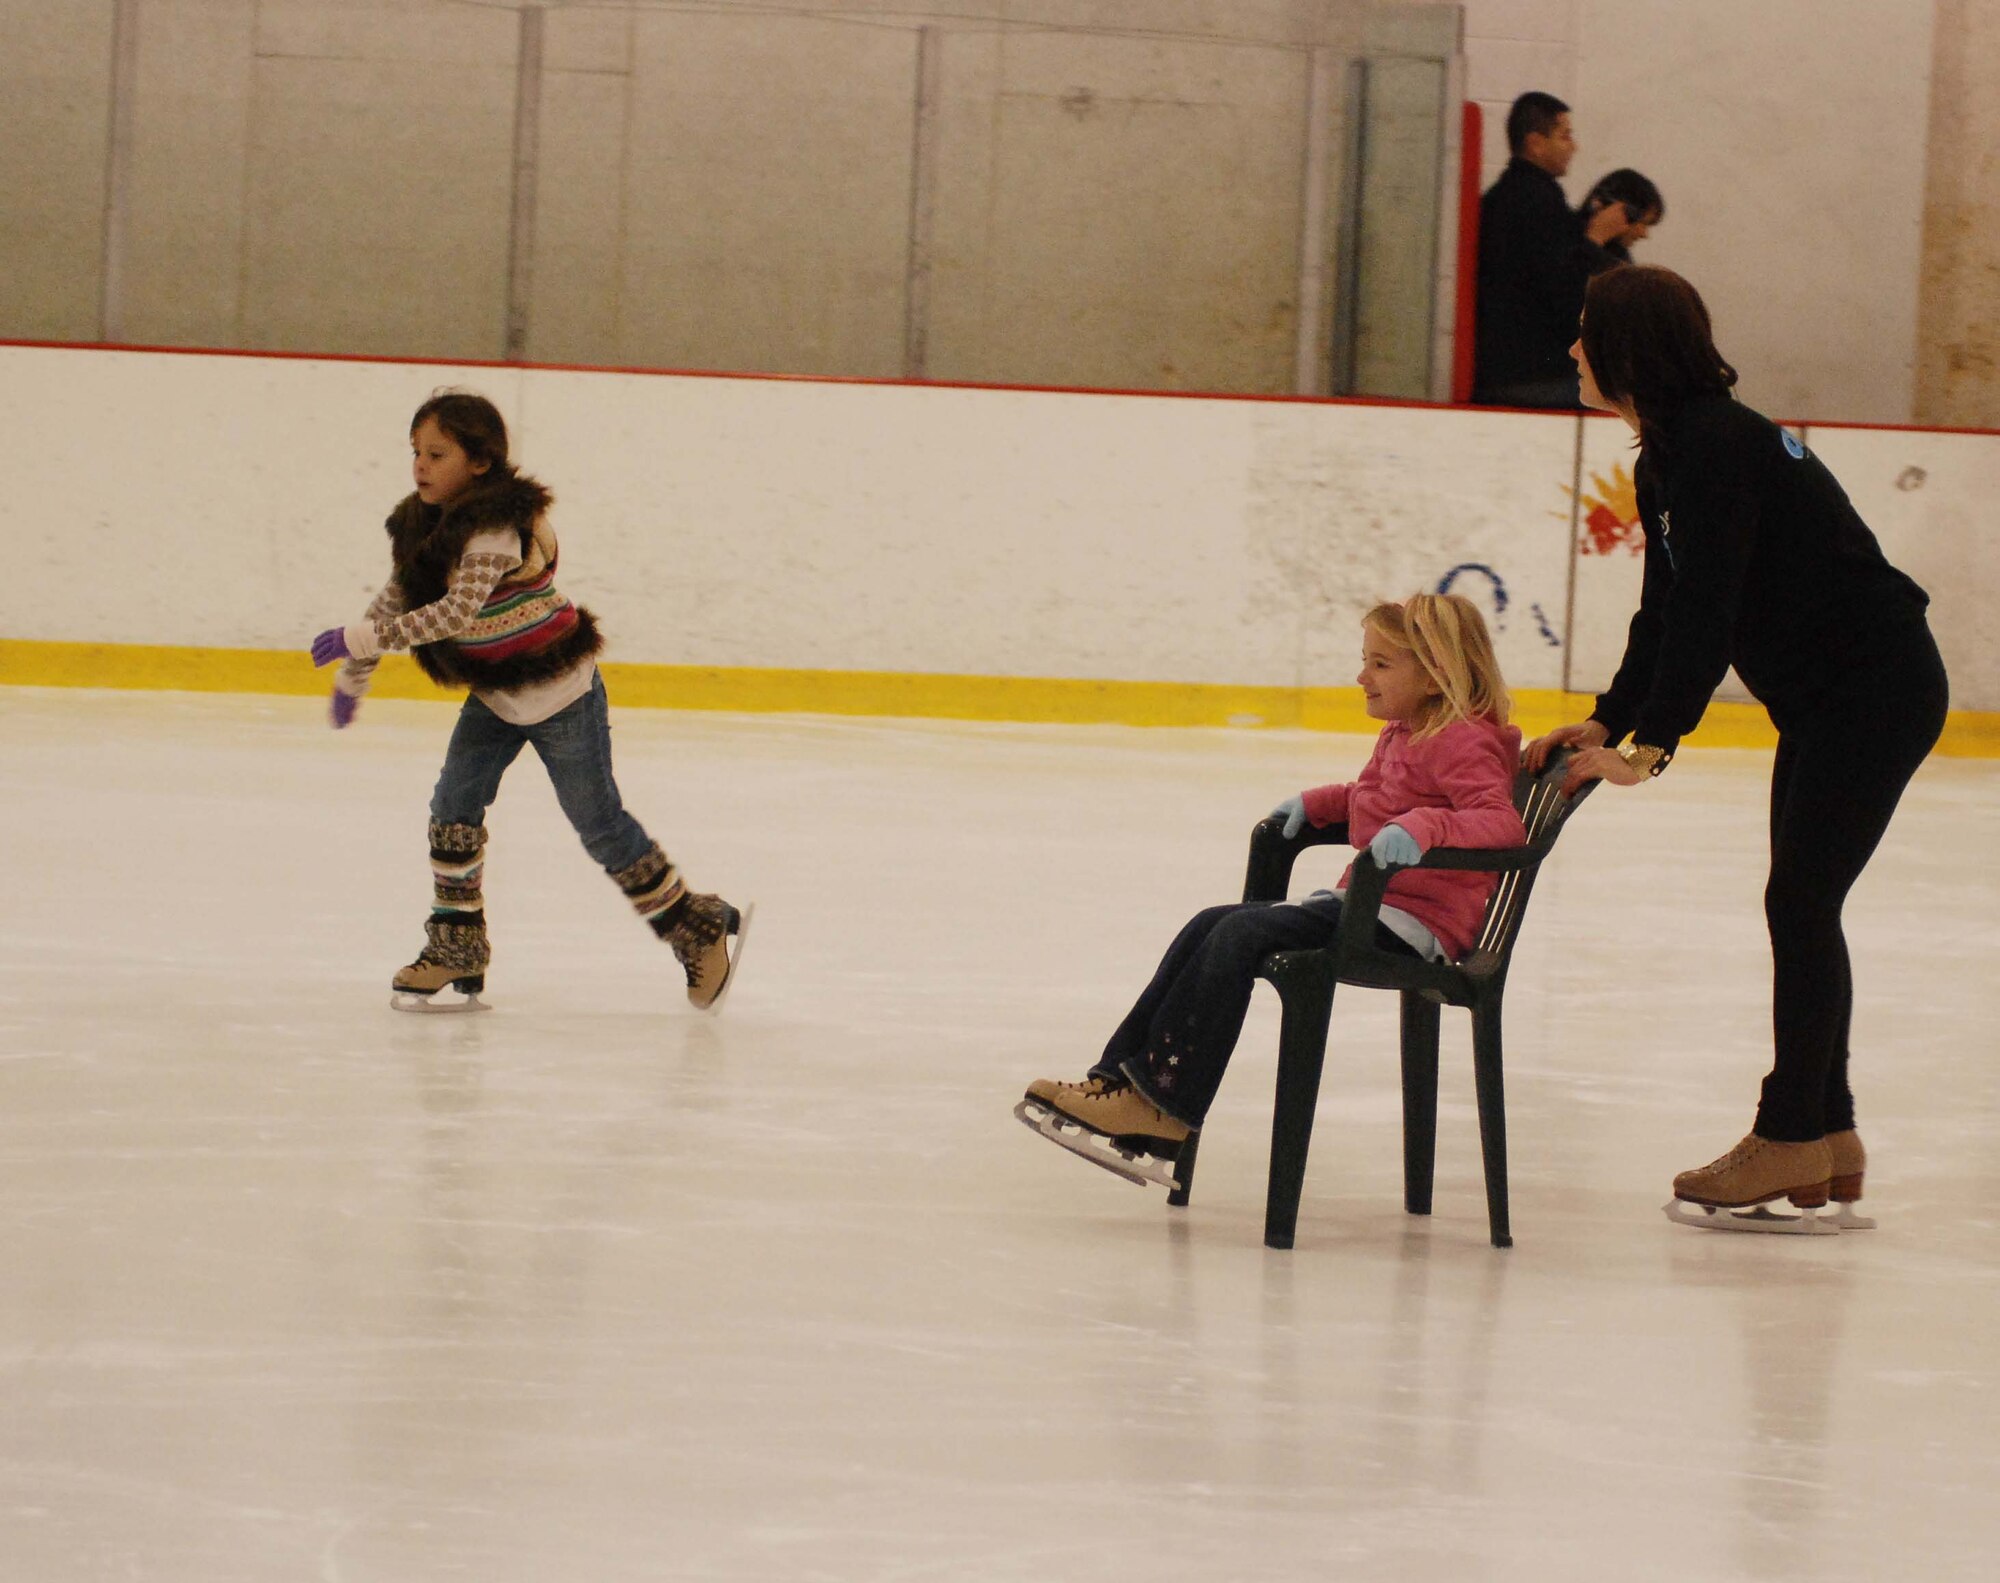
[
  {"x": 1293, "y": 811},
  {"x": 1394, "y": 847}
]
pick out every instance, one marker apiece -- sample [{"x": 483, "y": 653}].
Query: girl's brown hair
[
  {"x": 473, "y": 422},
  {"x": 1647, "y": 335},
  {"x": 1448, "y": 635}
]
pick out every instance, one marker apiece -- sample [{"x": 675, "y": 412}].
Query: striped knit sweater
[{"x": 474, "y": 598}]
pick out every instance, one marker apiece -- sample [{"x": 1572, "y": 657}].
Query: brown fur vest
[{"x": 426, "y": 542}]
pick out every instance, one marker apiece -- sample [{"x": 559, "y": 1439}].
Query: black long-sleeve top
[
  {"x": 1534, "y": 261},
  {"x": 1755, "y": 558}
]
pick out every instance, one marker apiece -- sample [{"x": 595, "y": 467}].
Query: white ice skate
[
  {"x": 734, "y": 944},
  {"x": 1118, "y": 1156}
]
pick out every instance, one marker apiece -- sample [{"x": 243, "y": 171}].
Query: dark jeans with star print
[{"x": 1175, "y": 1043}]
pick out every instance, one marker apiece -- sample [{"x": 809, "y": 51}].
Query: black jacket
[
  {"x": 1755, "y": 558},
  {"x": 1534, "y": 261}
]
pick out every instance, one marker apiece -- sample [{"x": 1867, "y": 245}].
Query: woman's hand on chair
[
  {"x": 1599, "y": 764},
  {"x": 1584, "y": 734}
]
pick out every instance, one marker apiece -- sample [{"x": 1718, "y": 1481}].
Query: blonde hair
[{"x": 1448, "y": 636}]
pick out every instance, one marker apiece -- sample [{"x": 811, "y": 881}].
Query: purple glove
[
  {"x": 330, "y": 645},
  {"x": 342, "y": 709}
]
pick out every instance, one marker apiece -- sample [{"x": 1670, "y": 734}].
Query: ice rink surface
[{"x": 592, "y": 1287}]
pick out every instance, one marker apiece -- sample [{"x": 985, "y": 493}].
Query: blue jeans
[
  {"x": 1175, "y": 1042},
  {"x": 575, "y": 748}
]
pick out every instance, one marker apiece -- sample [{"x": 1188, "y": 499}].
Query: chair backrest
[{"x": 1544, "y": 810}]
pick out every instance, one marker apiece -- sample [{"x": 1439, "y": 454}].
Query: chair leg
[
  {"x": 1184, "y": 1171},
  {"x": 1420, "y": 1100},
  {"x": 1308, "y": 998},
  {"x": 1487, "y": 1083}
]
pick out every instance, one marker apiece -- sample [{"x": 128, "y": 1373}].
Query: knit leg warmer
[
  {"x": 458, "y": 869},
  {"x": 654, "y": 887}
]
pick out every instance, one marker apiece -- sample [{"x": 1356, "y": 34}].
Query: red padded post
[{"x": 1471, "y": 147}]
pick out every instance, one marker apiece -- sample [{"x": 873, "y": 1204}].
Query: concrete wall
[
  {"x": 1113, "y": 194},
  {"x": 1788, "y": 138},
  {"x": 802, "y": 525},
  {"x": 55, "y": 74},
  {"x": 1958, "y": 330},
  {"x": 730, "y": 185}
]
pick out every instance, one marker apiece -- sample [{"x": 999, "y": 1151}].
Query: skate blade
[
  {"x": 741, "y": 932},
  {"x": 1847, "y": 1219},
  {"x": 1142, "y": 1170},
  {"x": 1806, "y": 1223},
  {"x": 441, "y": 1003}
]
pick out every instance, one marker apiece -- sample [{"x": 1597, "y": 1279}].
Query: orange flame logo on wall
[{"x": 1611, "y": 514}]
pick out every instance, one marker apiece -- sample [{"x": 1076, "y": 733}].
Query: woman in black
[{"x": 1756, "y": 558}]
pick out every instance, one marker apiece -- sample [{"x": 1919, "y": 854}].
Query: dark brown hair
[
  {"x": 1647, "y": 335},
  {"x": 471, "y": 420},
  {"x": 1533, "y": 112}
]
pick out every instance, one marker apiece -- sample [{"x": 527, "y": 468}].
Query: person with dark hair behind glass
[
  {"x": 1756, "y": 558},
  {"x": 1643, "y": 206},
  {"x": 1534, "y": 260}
]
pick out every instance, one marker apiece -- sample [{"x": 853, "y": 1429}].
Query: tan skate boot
[
  {"x": 455, "y": 956},
  {"x": 1850, "y": 1164},
  {"x": 455, "y": 951},
  {"x": 700, "y": 936},
  {"x": 1045, "y": 1091},
  {"x": 1758, "y": 1170},
  {"x": 697, "y": 927},
  {"x": 1125, "y": 1116}
]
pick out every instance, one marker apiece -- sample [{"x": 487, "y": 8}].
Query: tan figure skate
[
  {"x": 1109, "y": 1124},
  {"x": 1734, "y": 1193}
]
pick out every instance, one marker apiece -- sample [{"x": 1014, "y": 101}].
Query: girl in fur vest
[
  {"x": 472, "y": 595},
  {"x": 1442, "y": 774}
]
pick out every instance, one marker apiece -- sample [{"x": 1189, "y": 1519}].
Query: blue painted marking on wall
[
  {"x": 1491, "y": 576},
  {"x": 1498, "y": 586}
]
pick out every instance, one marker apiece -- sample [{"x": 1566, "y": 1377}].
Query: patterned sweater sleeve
[
  {"x": 355, "y": 674},
  {"x": 486, "y": 559}
]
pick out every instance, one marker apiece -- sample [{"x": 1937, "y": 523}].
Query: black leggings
[
  {"x": 1175, "y": 1043},
  {"x": 1840, "y": 771}
]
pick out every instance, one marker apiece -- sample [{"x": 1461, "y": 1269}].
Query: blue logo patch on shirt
[{"x": 1792, "y": 445}]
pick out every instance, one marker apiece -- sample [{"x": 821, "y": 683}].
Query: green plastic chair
[{"x": 1306, "y": 980}]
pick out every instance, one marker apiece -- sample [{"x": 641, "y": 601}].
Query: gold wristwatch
[{"x": 1644, "y": 757}]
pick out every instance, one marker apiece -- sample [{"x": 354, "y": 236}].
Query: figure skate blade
[
  {"x": 444, "y": 1002},
  {"x": 1140, "y": 1169},
  {"x": 1806, "y": 1223}
]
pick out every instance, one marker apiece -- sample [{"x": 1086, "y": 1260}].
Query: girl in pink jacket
[{"x": 1442, "y": 774}]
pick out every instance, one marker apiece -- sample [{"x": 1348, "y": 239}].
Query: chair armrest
[
  {"x": 1268, "y": 875},
  {"x": 1493, "y": 860},
  {"x": 1362, "y": 908}
]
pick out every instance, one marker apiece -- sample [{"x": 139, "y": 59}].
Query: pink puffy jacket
[{"x": 1451, "y": 789}]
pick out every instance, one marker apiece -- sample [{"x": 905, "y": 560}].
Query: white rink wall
[{"x": 235, "y": 502}]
